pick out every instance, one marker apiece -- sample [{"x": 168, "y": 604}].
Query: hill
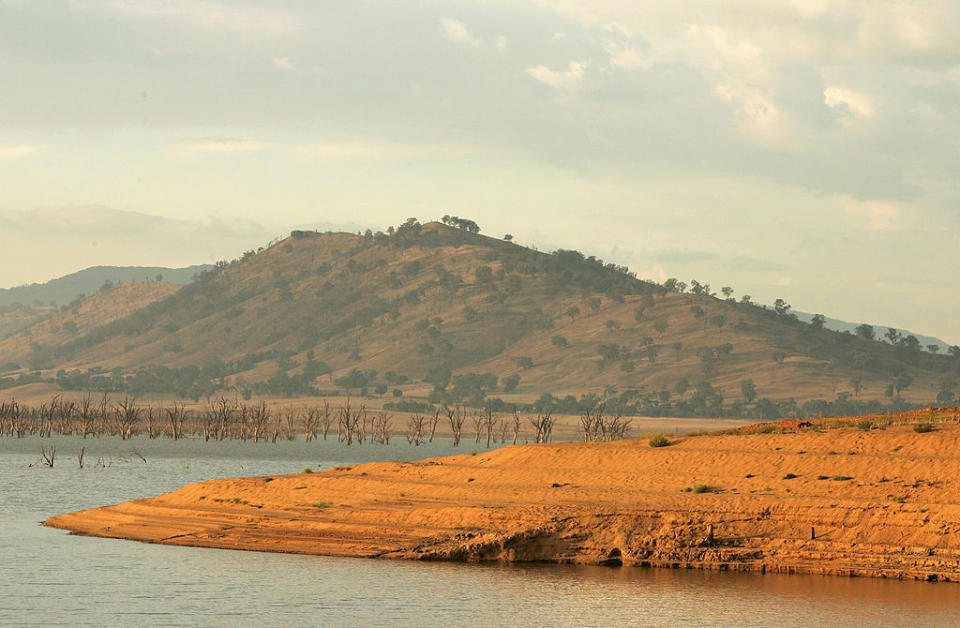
[
  {"x": 65, "y": 289},
  {"x": 440, "y": 313}
]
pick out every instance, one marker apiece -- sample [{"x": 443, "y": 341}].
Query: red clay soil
[{"x": 881, "y": 502}]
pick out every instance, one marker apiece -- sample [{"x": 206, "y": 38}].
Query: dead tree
[
  {"x": 153, "y": 422},
  {"x": 48, "y": 457},
  {"x": 433, "y": 423},
  {"x": 543, "y": 425},
  {"x": 259, "y": 419},
  {"x": 516, "y": 426},
  {"x": 311, "y": 423},
  {"x": 326, "y": 418},
  {"x": 176, "y": 415},
  {"x": 86, "y": 413},
  {"x": 80, "y": 453},
  {"x": 488, "y": 422},
  {"x": 478, "y": 421},
  {"x": 456, "y": 416},
  {"x": 382, "y": 428},
  {"x": 415, "y": 425},
  {"x": 127, "y": 417}
]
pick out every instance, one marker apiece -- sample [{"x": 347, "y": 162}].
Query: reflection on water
[{"x": 51, "y": 577}]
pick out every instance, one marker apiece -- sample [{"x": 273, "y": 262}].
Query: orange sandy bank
[{"x": 877, "y": 503}]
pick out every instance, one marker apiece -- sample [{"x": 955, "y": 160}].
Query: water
[{"x": 48, "y": 576}]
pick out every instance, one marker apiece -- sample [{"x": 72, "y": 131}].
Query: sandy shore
[{"x": 884, "y": 502}]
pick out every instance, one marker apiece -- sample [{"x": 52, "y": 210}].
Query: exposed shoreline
[{"x": 883, "y": 503}]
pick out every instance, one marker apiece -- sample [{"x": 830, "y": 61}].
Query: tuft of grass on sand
[
  {"x": 923, "y": 427},
  {"x": 702, "y": 488},
  {"x": 790, "y": 476},
  {"x": 658, "y": 440}
]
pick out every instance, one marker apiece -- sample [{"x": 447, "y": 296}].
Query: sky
[{"x": 805, "y": 149}]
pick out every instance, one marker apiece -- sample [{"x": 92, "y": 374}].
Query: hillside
[
  {"x": 441, "y": 313},
  {"x": 63, "y": 290}
]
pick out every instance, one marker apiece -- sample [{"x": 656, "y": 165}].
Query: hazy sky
[{"x": 807, "y": 150}]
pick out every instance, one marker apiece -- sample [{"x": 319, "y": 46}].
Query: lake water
[{"x": 49, "y": 576}]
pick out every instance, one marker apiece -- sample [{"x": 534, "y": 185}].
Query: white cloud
[
  {"x": 754, "y": 110},
  {"x": 222, "y": 145},
  {"x": 783, "y": 282},
  {"x": 501, "y": 43},
  {"x": 456, "y": 31},
  {"x": 848, "y": 100},
  {"x": 18, "y": 151},
  {"x": 871, "y": 215},
  {"x": 203, "y": 14},
  {"x": 570, "y": 79}
]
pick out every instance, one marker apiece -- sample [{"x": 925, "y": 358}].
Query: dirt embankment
[{"x": 884, "y": 502}]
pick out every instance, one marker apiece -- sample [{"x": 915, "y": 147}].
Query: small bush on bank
[{"x": 659, "y": 440}]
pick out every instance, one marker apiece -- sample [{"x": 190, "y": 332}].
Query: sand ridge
[{"x": 883, "y": 502}]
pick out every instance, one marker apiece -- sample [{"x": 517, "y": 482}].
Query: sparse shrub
[
  {"x": 659, "y": 440},
  {"x": 790, "y": 476},
  {"x": 321, "y": 505},
  {"x": 923, "y": 428},
  {"x": 769, "y": 428},
  {"x": 823, "y": 477},
  {"x": 702, "y": 488},
  {"x": 898, "y": 499},
  {"x": 268, "y": 479},
  {"x": 842, "y": 478},
  {"x": 308, "y": 470},
  {"x": 750, "y": 475},
  {"x": 470, "y": 479},
  {"x": 865, "y": 425}
]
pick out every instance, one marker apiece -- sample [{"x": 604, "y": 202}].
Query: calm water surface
[{"x": 51, "y": 577}]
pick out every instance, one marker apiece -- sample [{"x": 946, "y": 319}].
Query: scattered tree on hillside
[
  {"x": 749, "y": 390},
  {"x": 781, "y": 307},
  {"x": 865, "y": 331},
  {"x": 661, "y": 326},
  {"x": 461, "y": 223},
  {"x": 818, "y": 321}
]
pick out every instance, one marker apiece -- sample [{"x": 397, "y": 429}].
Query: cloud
[
  {"x": 208, "y": 15},
  {"x": 848, "y": 100},
  {"x": 501, "y": 43},
  {"x": 18, "y": 151},
  {"x": 367, "y": 150},
  {"x": 871, "y": 215},
  {"x": 627, "y": 56},
  {"x": 569, "y": 80},
  {"x": 456, "y": 31},
  {"x": 222, "y": 145}
]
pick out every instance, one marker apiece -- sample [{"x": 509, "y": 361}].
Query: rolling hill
[
  {"x": 63, "y": 290},
  {"x": 440, "y": 313}
]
